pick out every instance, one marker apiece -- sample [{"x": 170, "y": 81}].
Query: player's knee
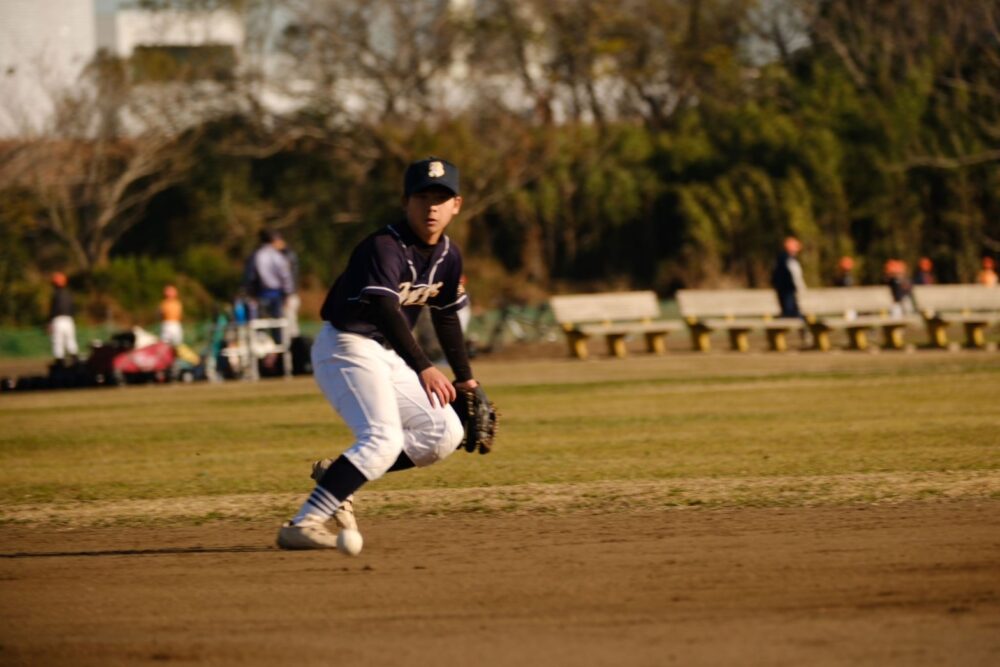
[
  {"x": 454, "y": 431},
  {"x": 436, "y": 438},
  {"x": 449, "y": 436},
  {"x": 376, "y": 450}
]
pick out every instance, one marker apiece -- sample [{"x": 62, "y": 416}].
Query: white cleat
[
  {"x": 344, "y": 516},
  {"x": 310, "y": 534}
]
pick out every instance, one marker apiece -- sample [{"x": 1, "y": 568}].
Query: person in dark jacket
[{"x": 786, "y": 278}]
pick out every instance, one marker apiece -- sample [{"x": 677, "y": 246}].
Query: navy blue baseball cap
[{"x": 430, "y": 172}]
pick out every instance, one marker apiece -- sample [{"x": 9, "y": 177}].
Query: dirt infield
[{"x": 907, "y": 584}]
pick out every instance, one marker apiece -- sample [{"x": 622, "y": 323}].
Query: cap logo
[{"x": 435, "y": 170}]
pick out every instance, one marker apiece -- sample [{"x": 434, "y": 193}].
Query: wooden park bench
[
  {"x": 613, "y": 315},
  {"x": 856, "y": 311},
  {"x": 738, "y": 312},
  {"x": 975, "y": 307}
]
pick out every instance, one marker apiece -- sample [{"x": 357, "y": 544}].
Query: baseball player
[
  {"x": 171, "y": 311},
  {"x": 62, "y": 328},
  {"x": 368, "y": 364}
]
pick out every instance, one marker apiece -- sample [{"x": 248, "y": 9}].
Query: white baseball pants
[
  {"x": 291, "y": 313},
  {"x": 63, "y": 336},
  {"x": 381, "y": 400},
  {"x": 172, "y": 332}
]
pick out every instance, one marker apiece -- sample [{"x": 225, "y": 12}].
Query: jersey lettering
[{"x": 410, "y": 295}]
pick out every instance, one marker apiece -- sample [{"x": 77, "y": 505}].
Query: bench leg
[
  {"x": 974, "y": 334},
  {"x": 858, "y": 339},
  {"x": 700, "y": 340},
  {"x": 822, "y": 339},
  {"x": 937, "y": 333},
  {"x": 577, "y": 344},
  {"x": 777, "y": 341},
  {"x": 738, "y": 341},
  {"x": 656, "y": 343},
  {"x": 892, "y": 337},
  {"x": 616, "y": 345}
]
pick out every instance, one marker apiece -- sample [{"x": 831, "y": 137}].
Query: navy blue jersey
[{"x": 395, "y": 261}]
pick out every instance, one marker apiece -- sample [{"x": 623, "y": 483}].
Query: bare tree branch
[{"x": 941, "y": 162}]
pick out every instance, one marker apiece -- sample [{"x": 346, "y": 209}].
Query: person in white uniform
[
  {"x": 368, "y": 364},
  {"x": 62, "y": 327}
]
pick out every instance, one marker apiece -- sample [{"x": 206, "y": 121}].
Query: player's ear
[{"x": 458, "y": 203}]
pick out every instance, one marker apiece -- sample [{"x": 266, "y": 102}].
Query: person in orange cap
[
  {"x": 988, "y": 274},
  {"x": 171, "y": 312},
  {"x": 62, "y": 328},
  {"x": 899, "y": 283},
  {"x": 924, "y": 274},
  {"x": 845, "y": 272}
]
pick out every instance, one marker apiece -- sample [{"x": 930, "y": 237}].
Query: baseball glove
[{"x": 479, "y": 417}]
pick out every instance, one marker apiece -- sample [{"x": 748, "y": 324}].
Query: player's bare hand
[
  {"x": 437, "y": 386},
  {"x": 468, "y": 385}
]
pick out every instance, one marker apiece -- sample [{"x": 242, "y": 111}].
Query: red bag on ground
[{"x": 150, "y": 359}]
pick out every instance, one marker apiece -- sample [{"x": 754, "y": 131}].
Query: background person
[
  {"x": 62, "y": 327},
  {"x": 902, "y": 289},
  {"x": 171, "y": 312},
  {"x": 924, "y": 275},
  {"x": 845, "y": 272},
  {"x": 988, "y": 274},
  {"x": 786, "y": 278},
  {"x": 268, "y": 276},
  {"x": 292, "y": 300},
  {"x": 465, "y": 312}
]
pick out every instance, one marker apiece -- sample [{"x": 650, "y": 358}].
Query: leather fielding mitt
[{"x": 479, "y": 417}]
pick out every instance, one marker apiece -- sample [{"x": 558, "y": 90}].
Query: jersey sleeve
[
  {"x": 452, "y": 294},
  {"x": 382, "y": 268}
]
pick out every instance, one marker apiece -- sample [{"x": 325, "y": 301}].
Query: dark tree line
[{"x": 626, "y": 143}]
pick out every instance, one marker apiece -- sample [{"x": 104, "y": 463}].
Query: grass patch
[{"x": 734, "y": 423}]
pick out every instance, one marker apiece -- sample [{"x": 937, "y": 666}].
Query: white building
[
  {"x": 120, "y": 32},
  {"x": 46, "y": 44}
]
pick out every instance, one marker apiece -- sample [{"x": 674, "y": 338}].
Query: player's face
[{"x": 429, "y": 211}]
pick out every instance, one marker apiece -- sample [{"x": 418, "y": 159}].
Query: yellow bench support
[
  {"x": 975, "y": 334},
  {"x": 892, "y": 336},
  {"x": 937, "y": 332},
  {"x": 656, "y": 343},
  {"x": 777, "y": 341},
  {"x": 857, "y": 338},
  {"x": 577, "y": 344},
  {"x": 616, "y": 345},
  {"x": 739, "y": 340}
]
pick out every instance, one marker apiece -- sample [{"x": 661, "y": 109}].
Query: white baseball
[{"x": 349, "y": 542}]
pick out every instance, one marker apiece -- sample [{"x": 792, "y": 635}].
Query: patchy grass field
[
  {"x": 798, "y": 509},
  {"x": 641, "y": 433}
]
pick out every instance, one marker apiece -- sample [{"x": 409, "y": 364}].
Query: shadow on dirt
[{"x": 137, "y": 552}]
